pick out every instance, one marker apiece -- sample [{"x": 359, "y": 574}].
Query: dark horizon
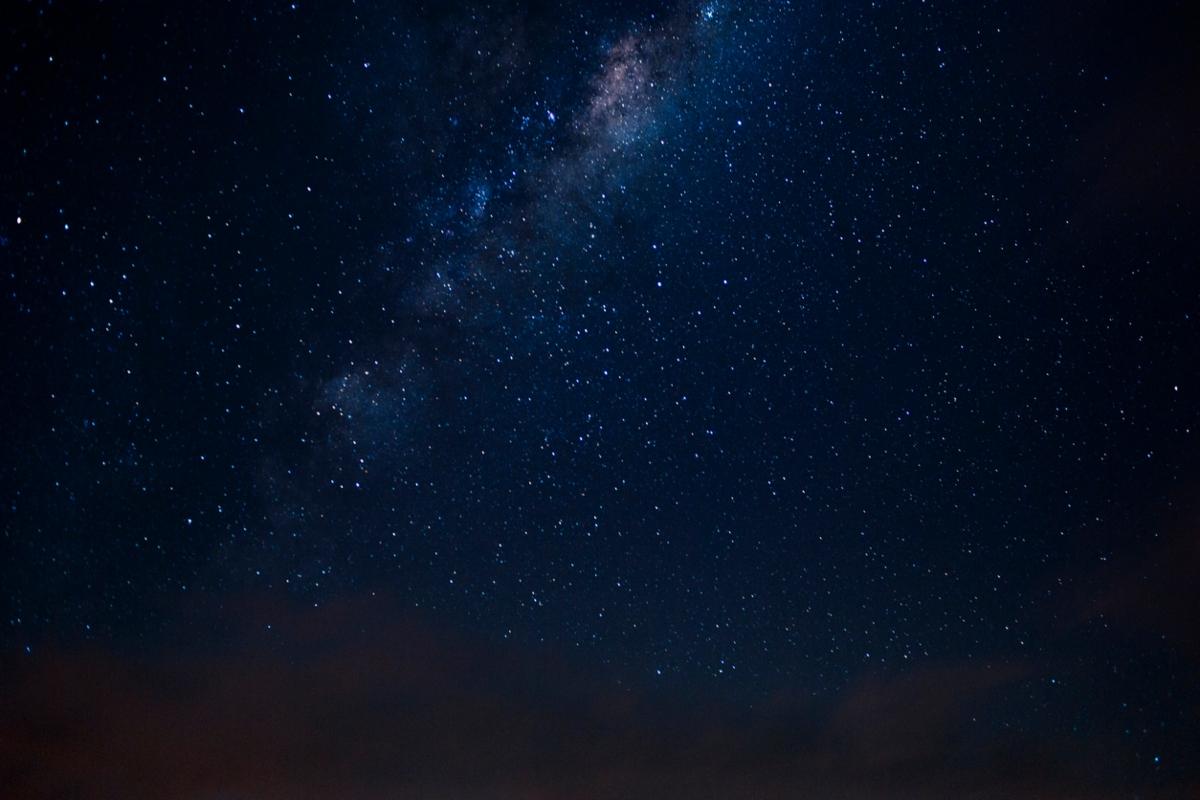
[{"x": 599, "y": 400}]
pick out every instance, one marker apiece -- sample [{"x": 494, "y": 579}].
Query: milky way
[{"x": 501, "y": 268}]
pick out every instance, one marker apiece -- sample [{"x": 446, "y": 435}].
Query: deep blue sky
[{"x": 827, "y": 370}]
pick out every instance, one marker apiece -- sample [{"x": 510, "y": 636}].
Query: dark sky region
[{"x": 599, "y": 400}]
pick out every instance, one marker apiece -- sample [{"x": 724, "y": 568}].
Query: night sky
[{"x": 599, "y": 399}]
